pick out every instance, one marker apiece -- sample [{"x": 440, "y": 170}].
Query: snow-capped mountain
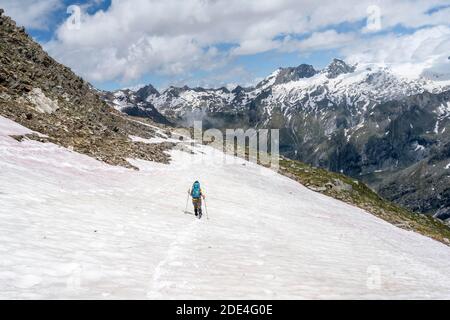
[
  {"x": 302, "y": 87},
  {"x": 134, "y": 103},
  {"x": 366, "y": 120}
]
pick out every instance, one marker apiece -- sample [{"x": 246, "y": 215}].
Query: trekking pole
[
  {"x": 206, "y": 209},
  {"x": 187, "y": 201}
]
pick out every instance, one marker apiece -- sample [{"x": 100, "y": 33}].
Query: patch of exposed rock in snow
[{"x": 12, "y": 128}]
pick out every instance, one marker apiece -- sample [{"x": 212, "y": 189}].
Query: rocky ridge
[{"x": 47, "y": 97}]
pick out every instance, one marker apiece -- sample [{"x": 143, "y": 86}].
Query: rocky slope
[
  {"x": 62, "y": 108},
  {"x": 367, "y": 121}
]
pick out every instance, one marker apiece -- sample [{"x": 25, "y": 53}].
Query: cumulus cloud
[
  {"x": 136, "y": 37},
  {"x": 423, "y": 52},
  {"x": 329, "y": 39},
  {"x": 229, "y": 77},
  {"x": 30, "y": 13}
]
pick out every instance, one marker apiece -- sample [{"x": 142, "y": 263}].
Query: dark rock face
[
  {"x": 135, "y": 103},
  {"x": 147, "y": 91},
  {"x": 443, "y": 213},
  {"x": 145, "y": 113},
  {"x": 49, "y": 98},
  {"x": 405, "y": 158},
  {"x": 338, "y": 67},
  {"x": 293, "y": 74}
]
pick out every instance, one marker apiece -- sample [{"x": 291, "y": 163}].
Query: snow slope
[{"x": 72, "y": 227}]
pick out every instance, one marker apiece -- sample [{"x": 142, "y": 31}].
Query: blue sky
[
  {"x": 59, "y": 15},
  {"x": 214, "y": 43}
]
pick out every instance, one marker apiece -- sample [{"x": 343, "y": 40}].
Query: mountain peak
[
  {"x": 295, "y": 73},
  {"x": 147, "y": 91},
  {"x": 338, "y": 67}
]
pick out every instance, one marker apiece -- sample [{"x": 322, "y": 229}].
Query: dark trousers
[{"x": 197, "y": 205}]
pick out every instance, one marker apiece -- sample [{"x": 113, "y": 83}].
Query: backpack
[{"x": 195, "y": 193}]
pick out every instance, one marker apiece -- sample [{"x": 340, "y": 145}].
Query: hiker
[{"x": 197, "y": 194}]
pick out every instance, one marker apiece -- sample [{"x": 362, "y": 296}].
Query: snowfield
[{"x": 73, "y": 227}]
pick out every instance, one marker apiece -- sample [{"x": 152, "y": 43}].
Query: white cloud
[
  {"x": 30, "y": 13},
  {"x": 426, "y": 50},
  {"x": 230, "y": 77},
  {"x": 136, "y": 37},
  {"x": 329, "y": 39}
]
